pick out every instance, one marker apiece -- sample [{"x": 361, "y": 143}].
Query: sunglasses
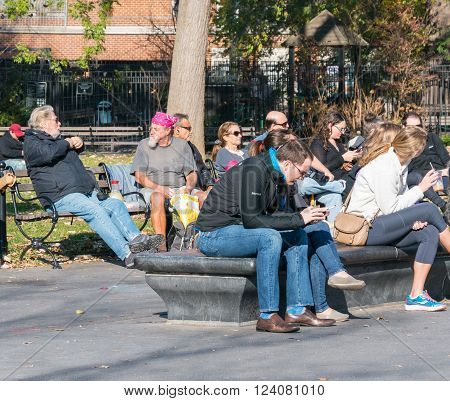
[
  {"x": 235, "y": 133},
  {"x": 188, "y": 128}
]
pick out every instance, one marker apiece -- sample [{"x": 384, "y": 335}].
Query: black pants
[
  {"x": 414, "y": 178},
  {"x": 396, "y": 229}
]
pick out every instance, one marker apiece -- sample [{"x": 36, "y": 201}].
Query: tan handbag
[{"x": 350, "y": 229}]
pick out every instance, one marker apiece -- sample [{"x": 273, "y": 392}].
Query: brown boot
[{"x": 275, "y": 324}]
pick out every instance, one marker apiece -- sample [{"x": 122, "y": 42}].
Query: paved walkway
[{"x": 102, "y": 322}]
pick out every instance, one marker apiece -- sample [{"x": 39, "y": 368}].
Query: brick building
[{"x": 138, "y": 30}]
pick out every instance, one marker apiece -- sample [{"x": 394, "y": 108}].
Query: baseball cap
[{"x": 16, "y": 129}]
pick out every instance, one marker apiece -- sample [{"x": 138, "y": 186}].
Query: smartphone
[
  {"x": 358, "y": 143},
  {"x": 332, "y": 207}
]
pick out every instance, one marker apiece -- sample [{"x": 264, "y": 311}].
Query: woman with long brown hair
[
  {"x": 381, "y": 196},
  {"x": 327, "y": 146}
]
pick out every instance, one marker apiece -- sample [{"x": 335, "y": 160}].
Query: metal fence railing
[{"x": 238, "y": 91}]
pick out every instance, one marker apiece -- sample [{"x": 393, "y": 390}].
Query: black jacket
[
  {"x": 434, "y": 153},
  {"x": 204, "y": 179},
  {"x": 330, "y": 158},
  {"x": 249, "y": 194},
  {"x": 10, "y": 148},
  {"x": 55, "y": 169}
]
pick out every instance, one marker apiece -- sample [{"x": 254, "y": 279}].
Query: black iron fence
[{"x": 240, "y": 92}]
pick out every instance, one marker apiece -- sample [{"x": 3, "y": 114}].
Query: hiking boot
[
  {"x": 344, "y": 281},
  {"x": 145, "y": 242},
  {"x": 424, "y": 302}
]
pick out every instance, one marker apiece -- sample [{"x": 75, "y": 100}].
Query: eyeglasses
[
  {"x": 302, "y": 173},
  {"x": 284, "y": 125},
  {"x": 343, "y": 131},
  {"x": 235, "y": 133}
]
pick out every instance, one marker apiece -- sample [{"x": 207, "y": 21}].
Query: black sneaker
[
  {"x": 145, "y": 242},
  {"x": 129, "y": 261}
]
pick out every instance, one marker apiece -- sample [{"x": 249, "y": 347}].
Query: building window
[{"x": 39, "y": 9}]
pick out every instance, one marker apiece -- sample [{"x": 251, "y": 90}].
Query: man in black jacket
[
  {"x": 59, "y": 177},
  {"x": 238, "y": 219},
  {"x": 11, "y": 147},
  {"x": 183, "y": 130},
  {"x": 434, "y": 154}
]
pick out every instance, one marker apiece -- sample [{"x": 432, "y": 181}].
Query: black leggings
[
  {"x": 414, "y": 178},
  {"x": 396, "y": 229}
]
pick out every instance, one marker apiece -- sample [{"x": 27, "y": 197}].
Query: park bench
[
  {"x": 216, "y": 290},
  {"x": 23, "y": 193}
]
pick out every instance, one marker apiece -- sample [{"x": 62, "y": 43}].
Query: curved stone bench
[{"x": 197, "y": 288}]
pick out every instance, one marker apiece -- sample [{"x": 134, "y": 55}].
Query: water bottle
[
  {"x": 115, "y": 191},
  {"x": 312, "y": 201}
]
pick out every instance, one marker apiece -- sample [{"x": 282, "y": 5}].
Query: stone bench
[{"x": 197, "y": 288}]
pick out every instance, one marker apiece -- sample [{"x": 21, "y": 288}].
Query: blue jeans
[
  {"x": 267, "y": 244},
  {"x": 324, "y": 261},
  {"x": 329, "y": 193},
  {"x": 108, "y": 218}
]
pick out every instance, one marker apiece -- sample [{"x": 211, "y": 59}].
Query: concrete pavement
[{"x": 99, "y": 321}]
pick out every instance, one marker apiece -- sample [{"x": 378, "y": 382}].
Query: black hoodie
[
  {"x": 250, "y": 194},
  {"x": 10, "y": 148}
]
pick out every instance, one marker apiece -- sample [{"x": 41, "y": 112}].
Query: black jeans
[{"x": 396, "y": 229}]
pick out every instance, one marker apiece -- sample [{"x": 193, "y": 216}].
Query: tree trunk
[{"x": 187, "y": 78}]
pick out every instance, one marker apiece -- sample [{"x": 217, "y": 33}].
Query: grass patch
[{"x": 71, "y": 239}]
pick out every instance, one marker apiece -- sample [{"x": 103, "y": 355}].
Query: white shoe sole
[{"x": 425, "y": 308}]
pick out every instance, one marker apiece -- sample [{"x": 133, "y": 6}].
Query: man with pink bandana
[{"x": 164, "y": 166}]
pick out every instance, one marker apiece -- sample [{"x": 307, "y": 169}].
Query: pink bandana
[{"x": 163, "y": 119}]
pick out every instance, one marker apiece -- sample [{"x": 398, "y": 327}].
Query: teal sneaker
[{"x": 424, "y": 302}]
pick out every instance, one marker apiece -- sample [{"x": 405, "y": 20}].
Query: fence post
[
  {"x": 3, "y": 238},
  {"x": 291, "y": 84}
]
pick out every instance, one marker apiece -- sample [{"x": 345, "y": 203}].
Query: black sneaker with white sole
[{"x": 145, "y": 242}]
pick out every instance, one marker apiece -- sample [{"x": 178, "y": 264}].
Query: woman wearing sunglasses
[{"x": 227, "y": 150}]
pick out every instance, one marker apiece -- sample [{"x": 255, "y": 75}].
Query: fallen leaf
[
  {"x": 323, "y": 379},
  {"x": 380, "y": 318},
  {"x": 102, "y": 367},
  {"x": 79, "y": 311},
  {"x": 366, "y": 325}
]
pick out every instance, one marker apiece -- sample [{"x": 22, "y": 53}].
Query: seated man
[
  {"x": 57, "y": 173},
  {"x": 11, "y": 147},
  {"x": 164, "y": 166},
  {"x": 183, "y": 130}
]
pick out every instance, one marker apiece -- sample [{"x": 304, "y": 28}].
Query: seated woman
[
  {"x": 328, "y": 148},
  {"x": 324, "y": 258},
  {"x": 434, "y": 154},
  {"x": 227, "y": 151},
  {"x": 380, "y": 194}
]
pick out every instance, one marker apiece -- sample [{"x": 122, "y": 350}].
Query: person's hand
[
  {"x": 350, "y": 155},
  {"x": 429, "y": 180},
  {"x": 444, "y": 172},
  {"x": 347, "y": 166},
  {"x": 77, "y": 142},
  {"x": 418, "y": 225},
  {"x": 329, "y": 175},
  {"x": 311, "y": 214}
]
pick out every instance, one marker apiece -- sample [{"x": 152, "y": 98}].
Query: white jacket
[{"x": 380, "y": 186}]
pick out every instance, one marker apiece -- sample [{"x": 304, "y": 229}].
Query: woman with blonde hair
[
  {"x": 227, "y": 151},
  {"x": 379, "y": 135},
  {"x": 381, "y": 195}
]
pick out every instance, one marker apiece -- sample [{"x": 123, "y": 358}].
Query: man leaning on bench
[{"x": 253, "y": 211}]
